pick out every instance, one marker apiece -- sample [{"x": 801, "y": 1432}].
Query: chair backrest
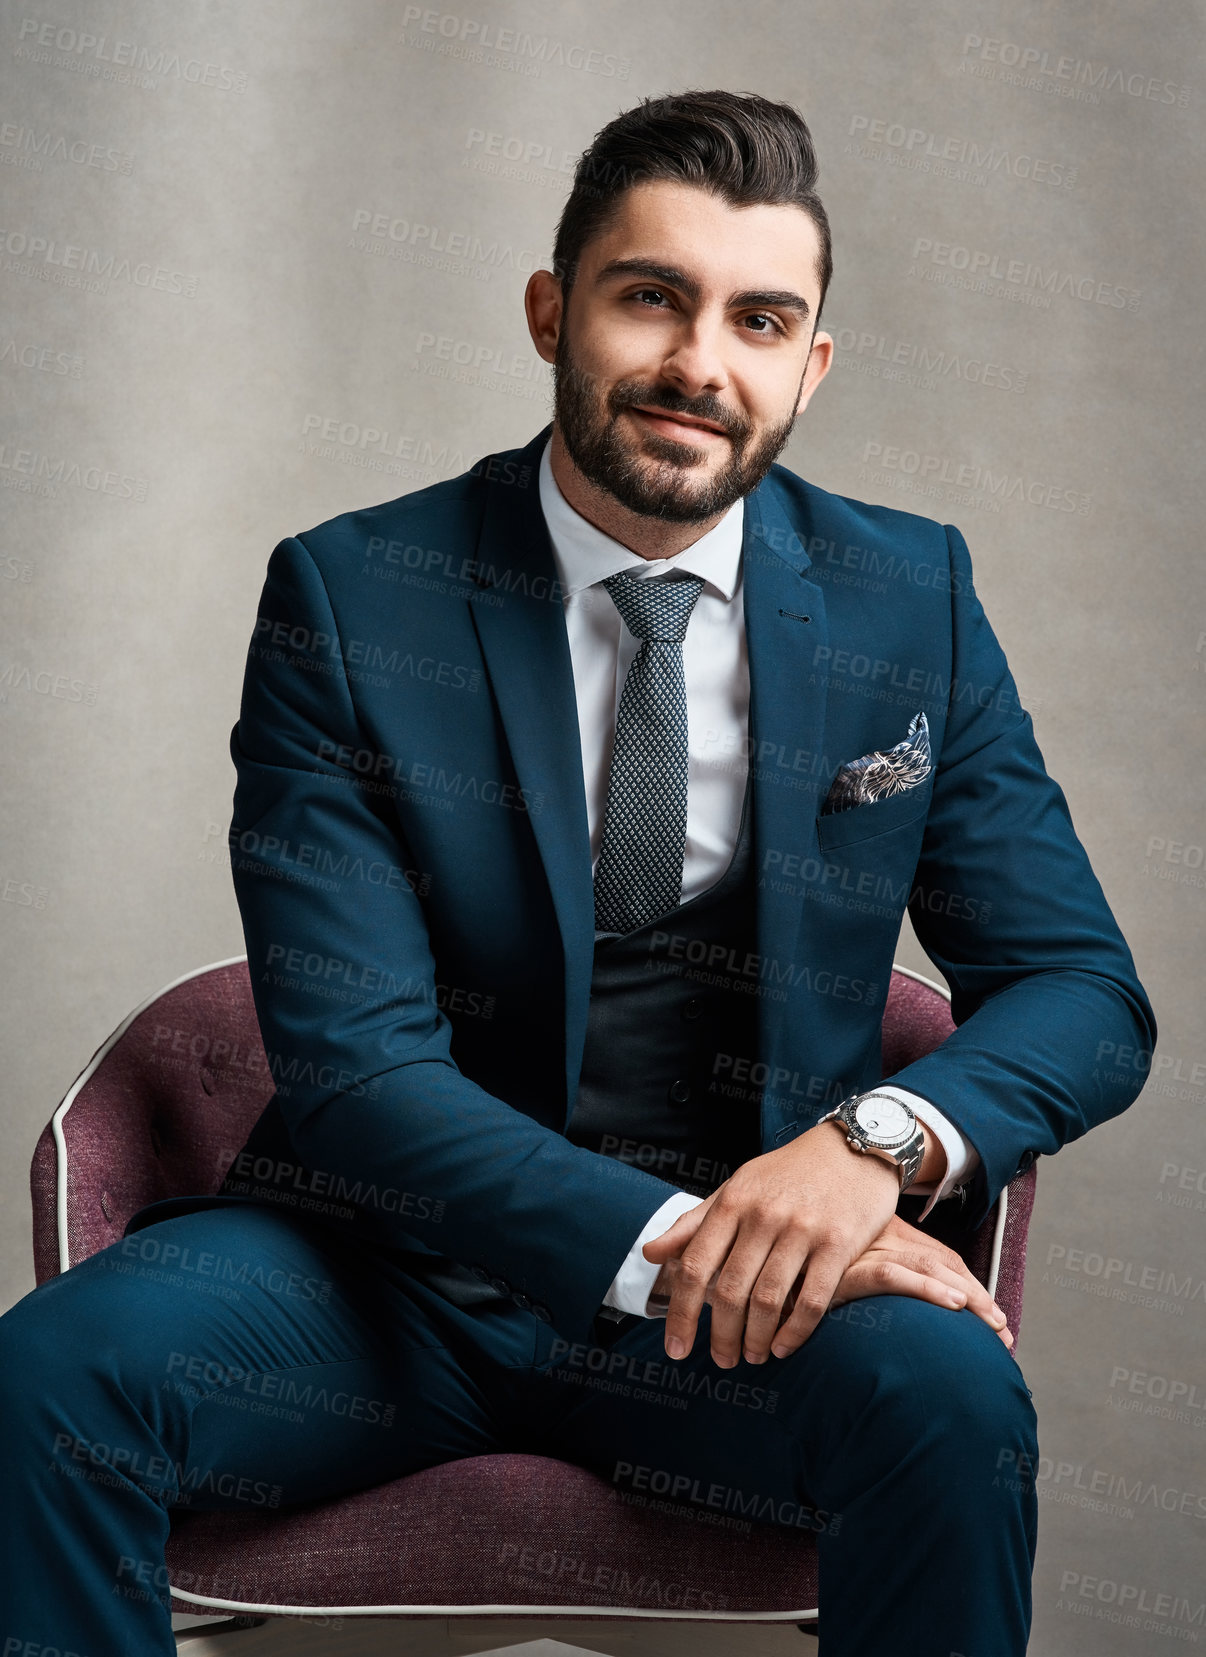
[
  {"x": 166, "y": 1101},
  {"x": 159, "y": 1111}
]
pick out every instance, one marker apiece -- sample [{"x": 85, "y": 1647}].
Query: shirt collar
[{"x": 584, "y": 555}]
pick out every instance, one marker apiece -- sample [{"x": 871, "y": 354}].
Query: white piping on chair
[
  {"x": 246, "y": 1607},
  {"x": 920, "y": 978},
  {"x": 89, "y": 1070},
  {"x": 998, "y": 1239},
  {"x": 1002, "y": 1205}
]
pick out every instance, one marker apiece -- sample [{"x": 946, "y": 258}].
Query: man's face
[{"x": 688, "y": 307}]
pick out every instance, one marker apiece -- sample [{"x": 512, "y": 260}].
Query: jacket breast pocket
[{"x": 864, "y": 822}]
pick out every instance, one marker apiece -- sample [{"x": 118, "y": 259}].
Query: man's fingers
[
  {"x": 822, "y": 1274},
  {"x": 921, "y": 1253},
  {"x": 675, "y": 1238},
  {"x": 774, "y": 1292},
  {"x": 749, "y": 1294},
  {"x": 893, "y": 1277},
  {"x": 949, "y": 1268},
  {"x": 699, "y": 1261},
  {"x": 879, "y": 1275},
  {"x": 978, "y": 1299}
]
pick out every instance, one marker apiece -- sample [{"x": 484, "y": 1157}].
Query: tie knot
[{"x": 657, "y": 607}]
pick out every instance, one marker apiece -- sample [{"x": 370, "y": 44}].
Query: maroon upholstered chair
[{"x": 160, "y": 1110}]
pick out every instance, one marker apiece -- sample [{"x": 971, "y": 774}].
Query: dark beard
[{"x": 594, "y": 444}]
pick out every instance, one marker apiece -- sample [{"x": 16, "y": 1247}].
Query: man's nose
[{"x": 696, "y": 362}]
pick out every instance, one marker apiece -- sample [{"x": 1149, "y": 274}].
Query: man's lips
[{"x": 674, "y": 425}]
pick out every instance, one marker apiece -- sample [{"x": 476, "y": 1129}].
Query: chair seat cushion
[{"x": 515, "y": 1531}]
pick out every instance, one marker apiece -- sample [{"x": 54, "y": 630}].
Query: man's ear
[
  {"x": 820, "y": 360},
  {"x": 543, "y": 305}
]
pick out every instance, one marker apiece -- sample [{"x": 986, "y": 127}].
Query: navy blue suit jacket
[{"x": 412, "y": 865}]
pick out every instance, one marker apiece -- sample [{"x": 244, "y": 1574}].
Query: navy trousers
[{"x": 242, "y": 1357}]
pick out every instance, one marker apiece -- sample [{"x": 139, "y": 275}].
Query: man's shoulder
[
  {"x": 416, "y": 551},
  {"x": 438, "y": 507},
  {"x": 843, "y": 520}
]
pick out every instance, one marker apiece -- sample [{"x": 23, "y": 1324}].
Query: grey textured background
[{"x": 205, "y": 411}]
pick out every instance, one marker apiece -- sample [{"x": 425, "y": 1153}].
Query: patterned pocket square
[{"x": 877, "y": 776}]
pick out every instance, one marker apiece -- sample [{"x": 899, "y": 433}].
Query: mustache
[
  {"x": 583, "y": 384},
  {"x": 700, "y": 409}
]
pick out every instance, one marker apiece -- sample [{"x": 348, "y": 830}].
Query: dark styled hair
[{"x": 738, "y": 145}]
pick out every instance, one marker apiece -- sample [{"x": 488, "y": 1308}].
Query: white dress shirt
[{"x": 716, "y": 675}]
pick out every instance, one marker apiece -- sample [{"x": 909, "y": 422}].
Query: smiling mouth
[{"x": 673, "y": 425}]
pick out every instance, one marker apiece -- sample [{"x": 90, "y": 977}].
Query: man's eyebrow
[{"x": 671, "y": 276}]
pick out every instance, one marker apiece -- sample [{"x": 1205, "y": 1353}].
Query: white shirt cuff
[
  {"x": 962, "y": 1159},
  {"x": 633, "y": 1283}
]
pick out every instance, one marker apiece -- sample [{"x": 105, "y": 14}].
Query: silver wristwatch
[{"x": 885, "y": 1126}]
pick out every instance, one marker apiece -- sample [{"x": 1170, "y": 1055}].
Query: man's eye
[
  {"x": 641, "y": 292},
  {"x": 761, "y": 316}
]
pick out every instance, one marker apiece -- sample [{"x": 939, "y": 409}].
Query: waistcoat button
[
  {"x": 679, "y": 1092},
  {"x": 692, "y": 1008}
]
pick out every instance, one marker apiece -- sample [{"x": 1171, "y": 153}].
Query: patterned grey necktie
[{"x": 639, "y": 874}]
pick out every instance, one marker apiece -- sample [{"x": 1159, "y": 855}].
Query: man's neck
[{"x": 647, "y": 537}]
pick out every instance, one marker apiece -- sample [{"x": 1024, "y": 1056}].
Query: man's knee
[
  {"x": 37, "y": 1381},
  {"x": 81, "y": 1388},
  {"x": 955, "y": 1379},
  {"x": 917, "y": 1367},
  {"x": 81, "y": 1330}
]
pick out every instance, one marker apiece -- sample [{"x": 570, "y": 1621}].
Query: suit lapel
[
  {"x": 520, "y": 622},
  {"x": 787, "y": 635}
]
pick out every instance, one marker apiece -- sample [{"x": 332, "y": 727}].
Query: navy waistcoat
[{"x": 673, "y": 1012}]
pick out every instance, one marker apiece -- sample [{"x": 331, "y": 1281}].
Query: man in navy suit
[{"x": 579, "y": 801}]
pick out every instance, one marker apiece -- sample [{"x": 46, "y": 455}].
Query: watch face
[{"x": 884, "y": 1120}]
